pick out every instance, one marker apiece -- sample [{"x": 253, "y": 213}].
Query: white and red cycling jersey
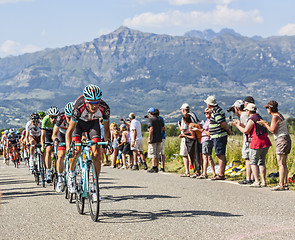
[
  {"x": 62, "y": 123},
  {"x": 4, "y": 140},
  {"x": 80, "y": 111}
]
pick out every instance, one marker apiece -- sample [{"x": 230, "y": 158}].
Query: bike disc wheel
[
  {"x": 94, "y": 204},
  {"x": 79, "y": 199}
]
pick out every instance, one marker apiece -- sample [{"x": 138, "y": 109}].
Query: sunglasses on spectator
[
  {"x": 206, "y": 112},
  {"x": 93, "y": 103}
]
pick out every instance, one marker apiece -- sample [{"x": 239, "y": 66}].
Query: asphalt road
[{"x": 141, "y": 205}]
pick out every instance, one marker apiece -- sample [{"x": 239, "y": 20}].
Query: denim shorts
[{"x": 220, "y": 145}]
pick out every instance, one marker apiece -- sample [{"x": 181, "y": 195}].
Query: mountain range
[{"x": 138, "y": 70}]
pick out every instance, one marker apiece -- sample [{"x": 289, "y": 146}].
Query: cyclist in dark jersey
[
  {"x": 58, "y": 137},
  {"x": 46, "y": 141},
  {"x": 88, "y": 108},
  {"x": 13, "y": 140}
]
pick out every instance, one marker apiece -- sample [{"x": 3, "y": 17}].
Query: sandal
[
  {"x": 202, "y": 177},
  {"x": 196, "y": 175},
  {"x": 185, "y": 175},
  {"x": 218, "y": 177}
]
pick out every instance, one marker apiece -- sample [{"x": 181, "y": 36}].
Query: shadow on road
[
  {"x": 9, "y": 181},
  {"x": 17, "y": 194},
  {"x": 120, "y": 187},
  {"x": 110, "y": 198},
  {"x": 129, "y": 216}
]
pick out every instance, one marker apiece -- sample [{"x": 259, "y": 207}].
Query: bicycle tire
[
  {"x": 94, "y": 206},
  {"x": 42, "y": 170},
  {"x": 80, "y": 201},
  {"x": 36, "y": 176},
  {"x": 54, "y": 172}
]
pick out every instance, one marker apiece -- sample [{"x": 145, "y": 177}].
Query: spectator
[
  {"x": 103, "y": 153},
  {"x": 116, "y": 140},
  {"x": 185, "y": 109},
  {"x": 219, "y": 130},
  {"x": 207, "y": 146},
  {"x": 156, "y": 127},
  {"x": 259, "y": 145},
  {"x": 282, "y": 140},
  {"x": 124, "y": 134},
  {"x": 162, "y": 151},
  {"x": 191, "y": 145},
  {"x": 136, "y": 141},
  {"x": 242, "y": 115}
]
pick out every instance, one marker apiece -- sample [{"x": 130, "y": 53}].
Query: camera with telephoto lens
[
  {"x": 146, "y": 116},
  {"x": 231, "y": 109},
  {"x": 122, "y": 119}
]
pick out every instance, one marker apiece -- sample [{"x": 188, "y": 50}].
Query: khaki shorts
[
  {"x": 154, "y": 150},
  {"x": 137, "y": 146},
  {"x": 257, "y": 156},
  {"x": 183, "y": 148},
  {"x": 283, "y": 145},
  {"x": 162, "y": 150}
]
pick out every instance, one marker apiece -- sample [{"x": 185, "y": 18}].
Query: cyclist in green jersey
[{"x": 46, "y": 142}]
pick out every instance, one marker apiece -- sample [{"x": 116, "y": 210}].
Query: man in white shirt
[{"x": 136, "y": 141}]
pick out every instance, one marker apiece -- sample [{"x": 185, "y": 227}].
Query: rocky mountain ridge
[{"x": 137, "y": 70}]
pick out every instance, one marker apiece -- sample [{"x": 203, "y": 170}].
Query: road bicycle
[
  {"x": 14, "y": 156},
  {"x": 87, "y": 180},
  {"x": 38, "y": 169},
  {"x": 53, "y": 169}
]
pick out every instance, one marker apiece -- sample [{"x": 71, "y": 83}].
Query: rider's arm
[
  {"x": 43, "y": 134},
  {"x": 69, "y": 133},
  {"x": 107, "y": 134},
  {"x": 27, "y": 138},
  {"x": 55, "y": 132}
]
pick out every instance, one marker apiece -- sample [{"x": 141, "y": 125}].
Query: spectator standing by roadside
[
  {"x": 282, "y": 140},
  {"x": 156, "y": 127},
  {"x": 207, "y": 146},
  {"x": 242, "y": 115},
  {"x": 219, "y": 131},
  {"x": 259, "y": 145},
  {"x": 136, "y": 141},
  {"x": 162, "y": 151},
  {"x": 185, "y": 109},
  {"x": 103, "y": 147}
]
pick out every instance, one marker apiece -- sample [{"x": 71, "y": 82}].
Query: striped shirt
[{"x": 217, "y": 117}]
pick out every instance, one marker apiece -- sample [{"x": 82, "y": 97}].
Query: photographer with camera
[{"x": 238, "y": 109}]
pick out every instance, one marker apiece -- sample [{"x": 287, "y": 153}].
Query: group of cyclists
[{"x": 80, "y": 119}]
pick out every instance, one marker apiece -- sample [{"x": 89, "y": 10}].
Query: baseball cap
[
  {"x": 123, "y": 125},
  {"x": 251, "y": 107},
  {"x": 249, "y": 99},
  {"x": 239, "y": 103},
  {"x": 271, "y": 104},
  {"x": 151, "y": 110},
  {"x": 184, "y": 106},
  {"x": 211, "y": 100}
]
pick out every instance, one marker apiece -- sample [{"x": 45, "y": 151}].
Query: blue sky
[{"x": 31, "y": 25}]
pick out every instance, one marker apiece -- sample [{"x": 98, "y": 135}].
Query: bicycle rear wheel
[
  {"x": 42, "y": 170},
  {"x": 80, "y": 201},
  {"x": 94, "y": 201},
  {"x": 36, "y": 174},
  {"x": 54, "y": 172}
]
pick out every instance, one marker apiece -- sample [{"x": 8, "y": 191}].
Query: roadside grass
[{"x": 174, "y": 163}]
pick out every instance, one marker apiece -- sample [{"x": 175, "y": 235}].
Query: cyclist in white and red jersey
[
  {"x": 4, "y": 142},
  {"x": 33, "y": 134},
  {"x": 58, "y": 137},
  {"x": 88, "y": 108}
]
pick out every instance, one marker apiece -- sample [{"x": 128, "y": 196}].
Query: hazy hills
[{"x": 138, "y": 70}]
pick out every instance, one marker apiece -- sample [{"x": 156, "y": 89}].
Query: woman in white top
[{"x": 283, "y": 142}]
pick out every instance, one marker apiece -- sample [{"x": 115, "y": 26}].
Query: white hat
[
  {"x": 238, "y": 103},
  {"x": 251, "y": 107},
  {"x": 184, "y": 106},
  {"x": 211, "y": 100}
]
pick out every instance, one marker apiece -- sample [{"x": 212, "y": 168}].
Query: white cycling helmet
[
  {"x": 6, "y": 132},
  {"x": 53, "y": 111},
  {"x": 11, "y": 130}
]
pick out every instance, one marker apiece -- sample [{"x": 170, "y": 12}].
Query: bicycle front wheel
[
  {"x": 42, "y": 170},
  {"x": 93, "y": 192},
  {"x": 80, "y": 200},
  {"x": 54, "y": 172}
]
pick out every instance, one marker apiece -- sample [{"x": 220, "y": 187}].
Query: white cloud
[
  {"x": 14, "y": 1},
  {"x": 221, "y": 16},
  {"x": 14, "y": 48},
  {"x": 288, "y": 30}
]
